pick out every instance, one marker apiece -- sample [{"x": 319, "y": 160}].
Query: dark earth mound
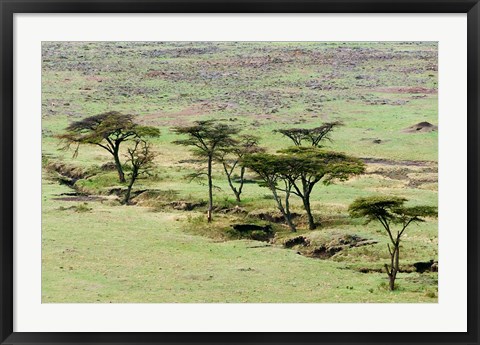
[
  {"x": 421, "y": 127},
  {"x": 329, "y": 248}
]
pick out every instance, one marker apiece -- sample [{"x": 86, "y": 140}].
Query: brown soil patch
[
  {"x": 231, "y": 210},
  {"x": 391, "y": 162},
  {"x": 69, "y": 171},
  {"x": 414, "y": 174},
  {"x": 273, "y": 217},
  {"x": 185, "y": 115},
  {"x": 67, "y": 174},
  {"x": 250, "y": 62},
  {"x": 296, "y": 241},
  {"x": 109, "y": 166},
  {"x": 327, "y": 249},
  {"x": 168, "y": 75},
  {"x": 251, "y": 227},
  {"x": 173, "y": 119},
  {"x": 186, "y": 206},
  {"x": 414, "y": 90},
  {"x": 82, "y": 198},
  {"x": 96, "y": 78},
  {"x": 421, "y": 127}
]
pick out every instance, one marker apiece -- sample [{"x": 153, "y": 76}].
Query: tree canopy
[
  {"x": 313, "y": 136},
  {"x": 297, "y": 170},
  {"x": 107, "y": 130},
  {"x": 272, "y": 169},
  {"x": 206, "y": 139},
  {"x": 230, "y": 156},
  {"x": 207, "y": 136},
  {"x": 305, "y": 167},
  {"x": 390, "y": 210},
  {"x": 140, "y": 157}
]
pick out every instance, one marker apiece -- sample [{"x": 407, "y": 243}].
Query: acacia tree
[
  {"x": 389, "y": 211},
  {"x": 140, "y": 157},
  {"x": 273, "y": 169},
  {"x": 307, "y": 166},
  {"x": 108, "y": 131},
  {"x": 313, "y": 136},
  {"x": 207, "y": 138},
  {"x": 230, "y": 157}
]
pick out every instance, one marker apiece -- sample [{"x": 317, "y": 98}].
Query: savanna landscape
[{"x": 239, "y": 172}]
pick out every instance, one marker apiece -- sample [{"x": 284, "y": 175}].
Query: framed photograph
[{"x": 239, "y": 172}]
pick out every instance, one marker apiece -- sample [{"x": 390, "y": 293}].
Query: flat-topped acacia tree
[
  {"x": 231, "y": 156},
  {"x": 273, "y": 170},
  {"x": 206, "y": 139},
  {"x": 297, "y": 171},
  {"x": 313, "y": 136},
  {"x": 108, "y": 131},
  {"x": 389, "y": 211},
  {"x": 307, "y": 166},
  {"x": 316, "y": 164},
  {"x": 140, "y": 157}
]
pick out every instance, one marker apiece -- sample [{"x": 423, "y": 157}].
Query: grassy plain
[{"x": 96, "y": 250}]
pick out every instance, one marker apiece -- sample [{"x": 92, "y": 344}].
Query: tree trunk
[
  {"x": 237, "y": 196},
  {"x": 391, "y": 284},
  {"x": 311, "y": 221},
  {"x": 118, "y": 164},
  {"x": 240, "y": 188},
  {"x": 210, "y": 189},
  {"x": 290, "y": 224},
  {"x": 394, "y": 265},
  {"x": 236, "y": 192},
  {"x": 130, "y": 185},
  {"x": 397, "y": 259},
  {"x": 286, "y": 214},
  {"x": 129, "y": 190},
  {"x": 305, "y": 196}
]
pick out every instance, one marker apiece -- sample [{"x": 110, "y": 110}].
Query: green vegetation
[
  {"x": 140, "y": 158},
  {"x": 230, "y": 157},
  {"x": 108, "y": 131},
  {"x": 207, "y": 138},
  {"x": 389, "y": 211},
  {"x": 146, "y": 238}
]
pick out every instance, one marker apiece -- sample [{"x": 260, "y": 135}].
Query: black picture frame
[{"x": 9, "y": 7}]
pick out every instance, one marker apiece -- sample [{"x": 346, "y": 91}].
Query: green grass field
[{"x": 95, "y": 250}]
